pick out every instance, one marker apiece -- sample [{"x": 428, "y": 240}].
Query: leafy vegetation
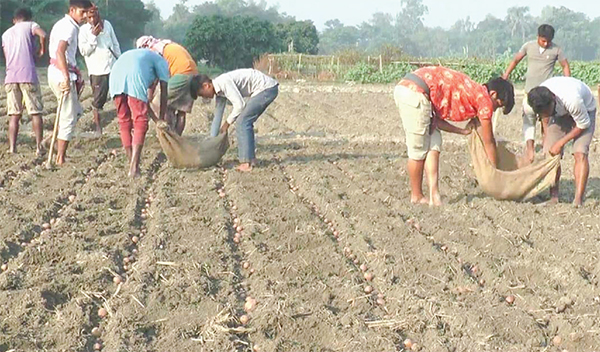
[
  {"x": 119, "y": 13},
  {"x": 230, "y": 42},
  {"x": 479, "y": 70}
]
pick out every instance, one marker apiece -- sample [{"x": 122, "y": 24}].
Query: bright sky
[{"x": 442, "y": 13}]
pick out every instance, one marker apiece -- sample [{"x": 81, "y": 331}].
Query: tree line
[
  {"x": 491, "y": 38},
  {"x": 120, "y": 13},
  {"x": 232, "y": 33}
]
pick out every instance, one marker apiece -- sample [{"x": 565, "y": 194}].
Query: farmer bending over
[
  {"x": 64, "y": 77},
  {"x": 133, "y": 75},
  {"x": 430, "y": 97},
  {"x": 21, "y": 82},
  {"x": 542, "y": 55},
  {"x": 567, "y": 109},
  {"x": 234, "y": 86},
  {"x": 182, "y": 68}
]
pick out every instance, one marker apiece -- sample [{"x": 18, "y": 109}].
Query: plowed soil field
[{"x": 326, "y": 209}]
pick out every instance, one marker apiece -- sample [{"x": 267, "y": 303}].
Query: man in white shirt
[
  {"x": 64, "y": 77},
  {"x": 99, "y": 46},
  {"x": 567, "y": 109},
  {"x": 234, "y": 86},
  {"x": 542, "y": 55}
]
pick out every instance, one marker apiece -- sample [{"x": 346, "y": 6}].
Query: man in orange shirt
[
  {"x": 430, "y": 97},
  {"x": 180, "y": 63}
]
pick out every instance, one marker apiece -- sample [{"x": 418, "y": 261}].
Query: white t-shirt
[
  {"x": 101, "y": 51},
  {"x": 573, "y": 98},
  {"x": 239, "y": 84},
  {"x": 64, "y": 30}
]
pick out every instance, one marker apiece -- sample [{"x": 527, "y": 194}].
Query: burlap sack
[
  {"x": 510, "y": 181},
  {"x": 185, "y": 152}
]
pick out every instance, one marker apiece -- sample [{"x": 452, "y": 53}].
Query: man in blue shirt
[{"x": 134, "y": 73}]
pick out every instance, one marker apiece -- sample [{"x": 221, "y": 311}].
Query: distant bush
[{"x": 478, "y": 70}]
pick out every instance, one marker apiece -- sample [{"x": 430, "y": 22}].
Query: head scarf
[{"x": 152, "y": 43}]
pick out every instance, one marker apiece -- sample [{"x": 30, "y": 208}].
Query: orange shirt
[
  {"x": 454, "y": 96},
  {"x": 179, "y": 59}
]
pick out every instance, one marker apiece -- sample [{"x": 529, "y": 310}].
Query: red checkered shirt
[{"x": 453, "y": 95}]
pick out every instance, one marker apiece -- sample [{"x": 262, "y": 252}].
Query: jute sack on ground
[
  {"x": 185, "y": 152},
  {"x": 510, "y": 181}
]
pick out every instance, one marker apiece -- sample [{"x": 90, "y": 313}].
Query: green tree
[
  {"x": 338, "y": 37},
  {"x": 409, "y": 22},
  {"x": 378, "y": 32},
  {"x": 177, "y": 25},
  {"x": 155, "y": 25},
  {"x": 491, "y": 35},
  {"x": 45, "y": 12},
  {"x": 231, "y": 42},
  {"x": 120, "y": 13},
  {"x": 520, "y": 22},
  {"x": 573, "y": 32},
  {"x": 128, "y": 18},
  {"x": 229, "y": 8},
  {"x": 303, "y": 34}
]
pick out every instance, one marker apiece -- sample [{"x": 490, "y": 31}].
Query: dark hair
[
  {"x": 196, "y": 84},
  {"x": 23, "y": 14},
  {"x": 81, "y": 4},
  {"x": 505, "y": 91},
  {"x": 546, "y": 31},
  {"x": 540, "y": 99}
]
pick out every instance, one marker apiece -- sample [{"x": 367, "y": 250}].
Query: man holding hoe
[
  {"x": 430, "y": 97},
  {"x": 99, "y": 46},
  {"x": 21, "y": 82},
  {"x": 542, "y": 55},
  {"x": 64, "y": 77}
]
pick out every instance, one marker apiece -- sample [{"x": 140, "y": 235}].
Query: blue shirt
[{"x": 135, "y": 71}]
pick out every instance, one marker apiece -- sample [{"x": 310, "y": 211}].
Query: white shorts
[{"x": 71, "y": 110}]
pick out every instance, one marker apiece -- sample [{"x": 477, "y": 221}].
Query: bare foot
[
  {"x": 419, "y": 200},
  {"x": 134, "y": 172},
  {"x": 552, "y": 201},
  {"x": 245, "y": 167},
  {"x": 435, "y": 201},
  {"x": 578, "y": 203}
]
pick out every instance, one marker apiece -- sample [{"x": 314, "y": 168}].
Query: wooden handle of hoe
[{"x": 55, "y": 131}]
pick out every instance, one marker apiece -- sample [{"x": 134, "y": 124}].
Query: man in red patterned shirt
[{"x": 430, "y": 97}]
